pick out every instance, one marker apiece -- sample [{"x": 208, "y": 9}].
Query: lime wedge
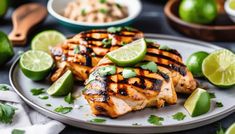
[
  {"x": 219, "y": 68},
  {"x": 35, "y": 64},
  {"x": 6, "y": 49},
  {"x": 129, "y": 54},
  {"x": 198, "y": 102},
  {"x": 62, "y": 86},
  {"x": 231, "y": 129},
  {"x": 46, "y": 40}
]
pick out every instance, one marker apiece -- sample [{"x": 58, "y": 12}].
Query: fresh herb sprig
[
  {"x": 155, "y": 120},
  {"x": 7, "y": 113}
]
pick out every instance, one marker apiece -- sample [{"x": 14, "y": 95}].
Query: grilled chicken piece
[
  {"x": 86, "y": 49},
  {"x": 114, "y": 95}
]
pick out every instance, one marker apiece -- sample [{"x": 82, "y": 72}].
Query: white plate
[{"x": 80, "y": 117}]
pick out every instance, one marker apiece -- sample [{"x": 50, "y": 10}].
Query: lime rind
[
  {"x": 219, "y": 68},
  {"x": 231, "y": 129},
  {"x": 62, "y": 86},
  {"x": 46, "y": 40},
  {"x": 129, "y": 54}
]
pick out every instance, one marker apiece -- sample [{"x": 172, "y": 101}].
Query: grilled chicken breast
[
  {"x": 85, "y": 50},
  {"x": 113, "y": 95}
]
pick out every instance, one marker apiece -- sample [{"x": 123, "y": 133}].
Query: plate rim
[{"x": 69, "y": 120}]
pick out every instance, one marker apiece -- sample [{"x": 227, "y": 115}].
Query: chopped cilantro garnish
[
  {"x": 83, "y": 12},
  {"x": 37, "y": 91},
  {"x": 69, "y": 98},
  {"x": 107, "y": 70},
  {"x": 49, "y": 105},
  {"x": 63, "y": 110},
  {"x": 76, "y": 50},
  {"x": 97, "y": 120},
  {"x": 151, "y": 66},
  {"x": 212, "y": 95},
  {"x": 179, "y": 116},
  {"x": 103, "y": 1},
  {"x": 118, "y": 5},
  {"x": 219, "y": 104},
  {"x": 44, "y": 97},
  {"x": 6, "y": 113},
  {"x": 128, "y": 73},
  {"x": 4, "y": 87},
  {"x": 164, "y": 47},
  {"x": 17, "y": 131},
  {"x": 129, "y": 28},
  {"x": 107, "y": 42},
  {"x": 104, "y": 11},
  {"x": 114, "y": 29},
  {"x": 155, "y": 120}
]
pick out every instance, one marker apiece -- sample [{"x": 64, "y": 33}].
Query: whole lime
[
  {"x": 194, "y": 63},
  {"x": 198, "y": 11},
  {"x": 6, "y": 49},
  {"x": 3, "y": 7}
]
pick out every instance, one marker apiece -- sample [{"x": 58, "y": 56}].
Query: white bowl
[
  {"x": 56, "y": 8},
  {"x": 230, "y": 12}
]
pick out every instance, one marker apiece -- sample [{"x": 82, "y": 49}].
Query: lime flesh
[
  {"x": 219, "y": 68},
  {"x": 129, "y": 54},
  {"x": 198, "y": 102},
  {"x": 231, "y": 129},
  {"x": 62, "y": 86},
  {"x": 6, "y": 49},
  {"x": 35, "y": 64},
  {"x": 46, "y": 40}
]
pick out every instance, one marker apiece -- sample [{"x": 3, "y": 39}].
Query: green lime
[
  {"x": 6, "y": 49},
  {"x": 46, "y": 40},
  {"x": 3, "y": 7},
  {"x": 232, "y": 4},
  {"x": 231, "y": 129},
  {"x": 62, "y": 86},
  {"x": 198, "y": 11},
  {"x": 35, "y": 64},
  {"x": 198, "y": 102},
  {"x": 219, "y": 68},
  {"x": 129, "y": 54},
  {"x": 194, "y": 63}
]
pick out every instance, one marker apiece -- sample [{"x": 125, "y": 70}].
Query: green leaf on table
[
  {"x": 17, "y": 131},
  {"x": 49, "y": 105},
  {"x": 6, "y": 113},
  {"x": 155, "y": 120},
  {"x": 219, "y": 104},
  {"x": 63, "y": 110},
  {"x": 4, "y": 87},
  {"x": 179, "y": 116},
  {"x": 97, "y": 120},
  {"x": 212, "y": 95},
  {"x": 43, "y": 97},
  {"x": 37, "y": 91},
  {"x": 69, "y": 98}
]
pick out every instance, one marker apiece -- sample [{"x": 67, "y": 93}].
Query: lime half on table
[
  {"x": 231, "y": 129},
  {"x": 46, "y": 40},
  {"x": 219, "y": 68},
  {"x": 198, "y": 102},
  {"x": 63, "y": 85},
  {"x": 6, "y": 49},
  {"x": 129, "y": 54},
  {"x": 35, "y": 64}
]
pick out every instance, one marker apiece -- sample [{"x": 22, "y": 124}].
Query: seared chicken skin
[
  {"x": 113, "y": 95},
  {"x": 85, "y": 50}
]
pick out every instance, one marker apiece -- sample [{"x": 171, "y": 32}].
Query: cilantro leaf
[
  {"x": 6, "y": 113},
  {"x": 97, "y": 120},
  {"x": 63, "y": 110},
  {"x": 69, "y": 98},
  {"x": 212, "y": 95},
  {"x": 104, "y": 11},
  {"x": 164, "y": 47},
  {"x": 114, "y": 29},
  {"x": 76, "y": 50},
  {"x": 37, "y": 91},
  {"x": 17, "y": 131},
  {"x": 4, "y": 87},
  {"x": 219, "y": 104},
  {"x": 49, "y": 105},
  {"x": 107, "y": 43},
  {"x": 83, "y": 12},
  {"x": 179, "y": 116},
  {"x": 43, "y": 97},
  {"x": 151, "y": 66},
  {"x": 103, "y": 1},
  {"x": 220, "y": 131},
  {"x": 155, "y": 120}
]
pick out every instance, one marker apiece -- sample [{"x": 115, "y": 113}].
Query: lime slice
[
  {"x": 219, "y": 68},
  {"x": 129, "y": 54},
  {"x": 6, "y": 49},
  {"x": 231, "y": 129},
  {"x": 62, "y": 86},
  {"x": 3, "y": 7},
  {"x": 46, "y": 40},
  {"x": 198, "y": 102},
  {"x": 35, "y": 64}
]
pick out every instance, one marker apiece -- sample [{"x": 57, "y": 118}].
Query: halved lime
[
  {"x": 129, "y": 54},
  {"x": 3, "y": 7},
  {"x": 6, "y": 49},
  {"x": 198, "y": 102},
  {"x": 46, "y": 40},
  {"x": 219, "y": 68},
  {"x": 35, "y": 64},
  {"x": 231, "y": 129},
  {"x": 62, "y": 86},
  {"x": 232, "y": 4}
]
